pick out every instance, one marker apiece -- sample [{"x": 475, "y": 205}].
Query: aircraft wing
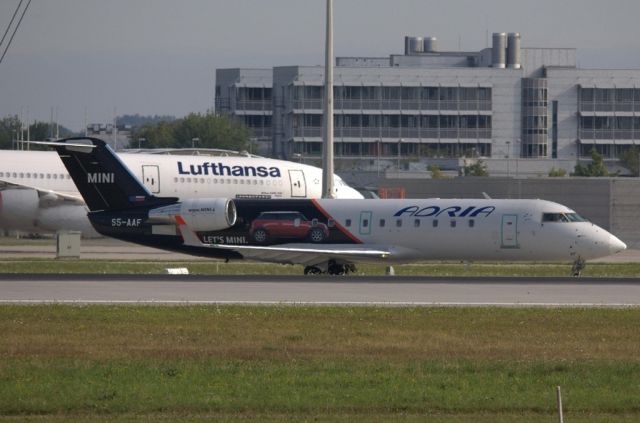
[
  {"x": 47, "y": 196},
  {"x": 305, "y": 253}
]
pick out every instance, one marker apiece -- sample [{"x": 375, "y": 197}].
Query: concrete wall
[{"x": 613, "y": 203}]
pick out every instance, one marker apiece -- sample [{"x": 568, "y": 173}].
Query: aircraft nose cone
[{"x": 615, "y": 245}]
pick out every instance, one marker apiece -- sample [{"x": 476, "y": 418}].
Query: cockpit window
[{"x": 562, "y": 217}]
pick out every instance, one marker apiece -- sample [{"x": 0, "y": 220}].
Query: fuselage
[
  {"x": 474, "y": 229},
  {"x": 424, "y": 229},
  {"x": 183, "y": 176}
]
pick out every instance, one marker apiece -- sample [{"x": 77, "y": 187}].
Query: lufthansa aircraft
[
  {"x": 327, "y": 235},
  {"x": 37, "y": 194}
]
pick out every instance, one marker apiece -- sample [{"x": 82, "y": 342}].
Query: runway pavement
[{"x": 360, "y": 290}]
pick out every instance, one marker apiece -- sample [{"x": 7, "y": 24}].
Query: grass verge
[
  {"x": 232, "y": 363},
  {"x": 253, "y": 268}
]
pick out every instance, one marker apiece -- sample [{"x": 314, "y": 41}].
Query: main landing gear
[
  {"x": 331, "y": 267},
  {"x": 578, "y": 267}
]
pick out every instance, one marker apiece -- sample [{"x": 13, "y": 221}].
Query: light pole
[
  {"x": 508, "y": 157},
  {"x": 378, "y": 161},
  {"x": 517, "y": 156},
  {"x": 141, "y": 140},
  {"x": 194, "y": 141}
]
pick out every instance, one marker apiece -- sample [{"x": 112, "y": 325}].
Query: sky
[{"x": 96, "y": 57}]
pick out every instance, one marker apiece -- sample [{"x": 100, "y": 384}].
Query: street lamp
[
  {"x": 194, "y": 141},
  {"x": 508, "y": 157}
]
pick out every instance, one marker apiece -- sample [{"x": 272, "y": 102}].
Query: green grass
[
  {"x": 234, "y": 363},
  {"x": 214, "y": 267}
]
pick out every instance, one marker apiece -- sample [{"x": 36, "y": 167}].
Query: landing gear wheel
[
  {"x": 316, "y": 235},
  {"x": 312, "y": 270},
  {"x": 336, "y": 269},
  {"x": 260, "y": 236},
  {"x": 578, "y": 267}
]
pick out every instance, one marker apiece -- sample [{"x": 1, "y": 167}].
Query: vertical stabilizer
[{"x": 104, "y": 182}]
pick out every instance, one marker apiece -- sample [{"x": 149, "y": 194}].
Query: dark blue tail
[{"x": 104, "y": 182}]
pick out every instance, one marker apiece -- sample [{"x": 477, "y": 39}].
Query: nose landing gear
[{"x": 578, "y": 267}]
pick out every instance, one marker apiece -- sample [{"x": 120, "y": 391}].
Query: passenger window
[
  {"x": 382, "y": 223},
  {"x": 416, "y": 223},
  {"x": 472, "y": 223},
  {"x": 365, "y": 223},
  {"x": 435, "y": 223},
  {"x": 347, "y": 223},
  {"x": 399, "y": 223},
  {"x": 453, "y": 223}
]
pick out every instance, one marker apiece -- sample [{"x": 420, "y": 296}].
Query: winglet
[{"x": 189, "y": 237}]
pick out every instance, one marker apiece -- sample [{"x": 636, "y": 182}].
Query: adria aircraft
[
  {"x": 38, "y": 196},
  {"x": 327, "y": 235}
]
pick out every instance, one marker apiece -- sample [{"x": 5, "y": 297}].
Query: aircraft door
[
  {"x": 510, "y": 231},
  {"x": 365, "y": 223},
  {"x": 151, "y": 178},
  {"x": 298, "y": 184}
]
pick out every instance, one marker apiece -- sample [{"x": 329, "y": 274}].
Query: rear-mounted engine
[{"x": 200, "y": 214}]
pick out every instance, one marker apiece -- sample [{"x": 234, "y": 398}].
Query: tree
[
  {"x": 631, "y": 160},
  {"x": 211, "y": 131},
  {"x": 476, "y": 169},
  {"x": 8, "y": 129},
  {"x": 137, "y": 120},
  {"x": 557, "y": 173},
  {"x": 436, "y": 173},
  {"x": 38, "y": 131},
  {"x": 594, "y": 169}
]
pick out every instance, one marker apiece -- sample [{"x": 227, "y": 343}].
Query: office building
[{"x": 522, "y": 111}]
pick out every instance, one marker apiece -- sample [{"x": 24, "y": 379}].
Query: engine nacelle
[
  {"x": 200, "y": 214},
  {"x": 19, "y": 208},
  {"x": 66, "y": 217}
]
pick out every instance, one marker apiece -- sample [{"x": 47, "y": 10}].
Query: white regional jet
[
  {"x": 38, "y": 196},
  {"x": 328, "y": 235}
]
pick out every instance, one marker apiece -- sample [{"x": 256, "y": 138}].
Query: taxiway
[{"x": 357, "y": 290}]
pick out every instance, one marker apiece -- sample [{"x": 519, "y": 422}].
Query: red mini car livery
[{"x": 275, "y": 225}]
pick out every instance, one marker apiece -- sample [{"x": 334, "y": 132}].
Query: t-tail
[{"x": 104, "y": 182}]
